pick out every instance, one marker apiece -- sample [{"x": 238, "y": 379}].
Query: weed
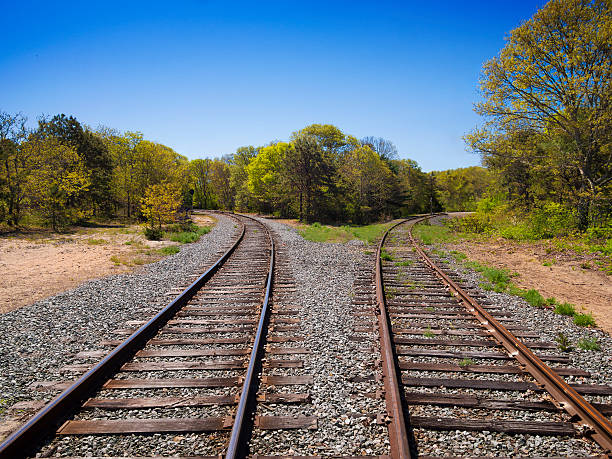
[
  {"x": 404, "y": 263},
  {"x": 584, "y": 320},
  {"x": 466, "y": 362},
  {"x": 589, "y": 344},
  {"x": 169, "y": 250},
  {"x": 428, "y": 333},
  {"x": 384, "y": 255},
  {"x": 563, "y": 342},
  {"x": 115, "y": 259},
  {"x": 459, "y": 256},
  {"x": 138, "y": 261},
  {"x": 428, "y": 234},
  {"x": 486, "y": 286},
  {"x": 547, "y": 263},
  {"x": 586, "y": 265},
  {"x": 430, "y": 309},
  {"x": 565, "y": 309},
  {"x": 534, "y": 298},
  {"x": 97, "y": 241},
  {"x": 186, "y": 237}
]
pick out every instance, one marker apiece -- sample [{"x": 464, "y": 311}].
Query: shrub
[
  {"x": 565, "y": 309},
  {"x": 552, "y": 220},
  {"x": 534, "y": 298},
  {"x": 584, "y": 320},
  {"x": 170, "y": 250},
  {"x": 589, "y": 344},
  {"x": 563, "y": 342},
  {"x": 153, "y": 234}
]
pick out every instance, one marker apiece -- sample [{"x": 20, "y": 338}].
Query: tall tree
[
  {"x": 14, "y": 166},
  {"x": 58, "y": 177},
  {"x": 94, "y": 153},
  {"x": 554, "y": 78}
]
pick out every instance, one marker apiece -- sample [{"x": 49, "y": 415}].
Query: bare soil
[
  {"x": 568, "y": 277},
  {"x": 38, "y": 264}
]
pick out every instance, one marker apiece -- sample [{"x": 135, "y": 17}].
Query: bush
[
  {"x": 584, "y": 320},
  {"x": 186, "y": 237},
  {"x": 534, "y": 298},
  {"x": 153, "y": 234},
  {"x": 589, "y": 344},
  {"x": 565, "y": 309},
  {"x": 552, "y": 220},
  {"x": 170, "y": 250}
]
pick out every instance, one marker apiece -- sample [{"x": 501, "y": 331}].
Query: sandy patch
[
  {"x": 37, "y": 265},
  {"x": 565, "y": 279}
]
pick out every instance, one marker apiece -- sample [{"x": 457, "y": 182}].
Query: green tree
[
  {"x": 14, "y": 167},
  {"x": 265, "y": 177},
  {"x": 220, "y": 179},
  {"x": 460, "y": 189},
  {"x": 58, "y": 178},
  {"x": 94, "y": 153},
  {"x": 366, "y": 181},
  {"x": 160, "y": 204},
  {"x": 553, "y": 81}
]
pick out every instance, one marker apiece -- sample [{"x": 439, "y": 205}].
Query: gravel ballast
[{"x": 40, "y": 338}]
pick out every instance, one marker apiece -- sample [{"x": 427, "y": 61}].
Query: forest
[
  {"x": 63, "y": 173},
  {"x": 545, "y": 143}
]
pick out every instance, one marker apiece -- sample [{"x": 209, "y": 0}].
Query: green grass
[
  {"x": 186, "y": 237},
  {"x": 96, "y": 241},
  {"x": 498, "y": 279},
  {"x": 458, "y": 256},
  {"x": 466, "y": 362},
  {"x": 428, "y": 333},
  {"x": 324, "y": 233},
  {"x": 584, "y": 320},
  {"x": 404, "y": 263},
  {"x": 565, "y": 309},
  {"x": 170, "y": 250},
  {"x": 430, "y": 234},
  {"x": 384, "y": 255},
  {"x": 563, "y": 342},
  {"x": 589, "y": 344},
  {"x": 534, "y": 298}
]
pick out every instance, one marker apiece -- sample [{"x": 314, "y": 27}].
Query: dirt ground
[
  {"x": 565, "y": 279},
  {"x": 36, "y": 265}
]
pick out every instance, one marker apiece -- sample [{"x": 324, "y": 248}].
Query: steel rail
[
  {"x": 236, "y": 447},
  {"x": 595, "y": 424},
  {"x": 398, "y": 436},
  {"x": 48, "y": 418}
]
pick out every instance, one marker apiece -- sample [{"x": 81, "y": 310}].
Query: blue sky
[{"x": 205, "y": 77}]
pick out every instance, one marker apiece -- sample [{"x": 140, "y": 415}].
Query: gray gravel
[
  {"x": 40, "y": 338},
  {"x": 324, "y": 274}
]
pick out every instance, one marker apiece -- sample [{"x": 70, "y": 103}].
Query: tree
[
  {"x": 553, "y": 79},
  {"x": 160, "y": 204},
  {"x": 200, "y": 171},
  {"x": 265, "y": 177},
  {"x": 58, "y": 177},
  {"x": 220, "y": 179},
  {"x": 366, "y": 181},
  {"x": 460, "y": 189},
  {"x": 384, "y": 148},
  {"x": 94, "y": 153},
  {"x": 239, "y": 176},
  {"x": 14, "y": 166}
]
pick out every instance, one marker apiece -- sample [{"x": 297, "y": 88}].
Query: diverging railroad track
[
  {"x": 457, "y": 365},
  {"x": 237, "y": 365}
]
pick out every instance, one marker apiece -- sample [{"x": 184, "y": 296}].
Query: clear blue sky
[{"x": 205, "y": 77}]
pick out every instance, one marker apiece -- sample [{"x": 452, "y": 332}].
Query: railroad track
[
  {"x": 185, "y": 381},
  {"x": 453, "y": 361},
  {"x": 219, "y": 371}
]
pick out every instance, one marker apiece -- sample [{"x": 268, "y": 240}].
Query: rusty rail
[
  {"x": 236, "y": 447},
  {"x": 595, "y": 424},
  {"x": 48, "y": 418},
  {"x": 398, "y": 436}
]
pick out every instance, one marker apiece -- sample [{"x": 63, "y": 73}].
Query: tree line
[
  {"x": 63, "y": 172},
  {"x": 547, "y": 114}
]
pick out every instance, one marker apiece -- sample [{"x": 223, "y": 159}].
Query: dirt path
[
  {"x": 37, "y": 265},
  {"x": 566, "y": 280}
]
